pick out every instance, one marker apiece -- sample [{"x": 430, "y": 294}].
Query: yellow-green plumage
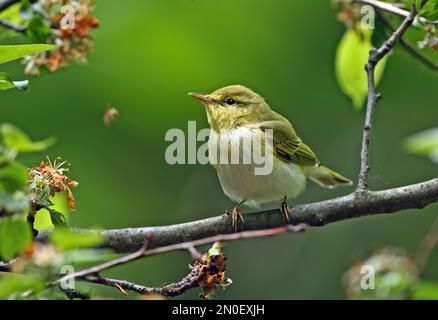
[{"x": 294, "y": 161}]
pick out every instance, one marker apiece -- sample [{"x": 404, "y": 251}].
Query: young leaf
[
  {"x": 12, "y": 204},
  {"x": 43, "y": 221},
  {"x": 429, "y": 10},
  {"x": 424, "y": 143},
  {"x": 351, "y": 57},
  {"x": 58, "y": 219},
  {"x": 6, "y": 83},
  {"x": 12, "y": 285},
  {"x": 425, "y": 291},
  {"x": 13, "y": 177},
  {"x": 37, "y": 30},
  {"x": 17, "y": 140},
  {"x": 12, "y": 14},
  {"x": 12, "y": 52},
  {"x": 15, "y": 235}
]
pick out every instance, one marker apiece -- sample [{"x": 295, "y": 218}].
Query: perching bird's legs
[
  {"x": 236, "y": 215},
  {"x": 284, "y": 208}
]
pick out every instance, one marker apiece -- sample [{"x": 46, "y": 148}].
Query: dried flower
[
  {"x": 110, "y": 115},
  {"x": 71, "y": 22},
  {"x": 48, "y": 179}
]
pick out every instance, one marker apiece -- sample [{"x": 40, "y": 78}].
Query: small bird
[{"x": 236, "y": 112}]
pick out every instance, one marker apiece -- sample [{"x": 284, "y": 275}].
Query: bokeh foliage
[{"x": 149, "y": 54}]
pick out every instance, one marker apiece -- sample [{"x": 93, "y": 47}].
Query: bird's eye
[{"x": 230, "y": 102}]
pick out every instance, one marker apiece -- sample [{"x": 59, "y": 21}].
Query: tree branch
[
  {"x": 429, "y": 243},
  {"x": 375, "y": 56},
  {"x": 186, "y": 245},
  {"x": 388, "y": 7},
  {"x": 408, "y": 47},
  {"x": 314, "y": 214},
  {"x": 4, "y": 4},
  {"x": 12, "y": 26}
]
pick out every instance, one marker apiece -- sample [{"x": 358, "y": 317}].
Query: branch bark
[
  {"x": 374, "y": 58},
  {"x": 12, "y": 26},
  {"x": 321, "y": 213},
  {"x": 4, "y": 4},
  {"x": 388, "y": 7},
  {"x": 432, "y": 65}
]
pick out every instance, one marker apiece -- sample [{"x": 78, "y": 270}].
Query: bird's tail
[{"x": 327, "y": 178}]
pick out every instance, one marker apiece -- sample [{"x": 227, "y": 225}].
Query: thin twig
[
  {"x": 12, "y": 26},
  {"x": 143, "y": 252},
  {"x": 408, "y": 47},
  {"x": 388, "y": 7},
  {"x": 429, "y": 243},
  {"x": 169, "y": 290},
  {"x": 5, "y": 267},
  {"x": 414, "y": 196},
  {"x": 4, "y": 4},
  {"x": 375, "y": 56}
]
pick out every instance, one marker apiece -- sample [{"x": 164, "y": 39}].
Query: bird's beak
[{"x": 206, "y": 99}]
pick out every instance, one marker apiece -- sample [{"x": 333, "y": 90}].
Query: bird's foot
[
  {"x": 236, "y": 215},
  {"x": 284, "y": 208}
]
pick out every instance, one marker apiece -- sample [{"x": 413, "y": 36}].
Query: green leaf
[
  {"x": 6, "y": 83},
  {"x": 429, "y": 10},
  {"x": 215, "y": 250},
  {"x": 13, "y": 177},
  {"x": 12, "y": 14},
  {"x": 425, "y": 291},
  {"x": 424, "y": 143},
  {"x": 65, "y": 239},
  {"x": 12, "y": 285},
  {"x": 37, "y": 30},
  {"x": 58, "y": 219},
  {"x": 17, "y": 140},
  {"x": 351, "y": 56},
  {"x": 15, "y": 235},
  {"x": 12, "y": 204},
  {"x": 43, "y": 220},
  {"x": 13, "y": 52}
]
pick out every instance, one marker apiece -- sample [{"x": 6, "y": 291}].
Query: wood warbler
[{"x": 236, "y": 113}]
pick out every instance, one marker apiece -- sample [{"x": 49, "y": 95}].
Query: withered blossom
[
  {"x": 48, "y": 179},
  {"x": 74, "y": 40}
]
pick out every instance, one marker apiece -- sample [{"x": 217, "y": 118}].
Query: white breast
[{"x": 240, "y": 182}]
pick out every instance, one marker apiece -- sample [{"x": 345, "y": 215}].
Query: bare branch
[
  {"x": 314, "y": 214},
  {"x": 408, "y": 47},
  {"x": 189, "y": 246},
  {"x": 429, "y": 243},
  {"x": 375, "y": 56},
  {"x": 170, "y": 290},
  {"x": 12, "y": 26},
  {"x": 4, "y": 4},
  {"x": 388, "y": 7}
]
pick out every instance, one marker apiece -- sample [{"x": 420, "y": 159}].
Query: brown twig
[
  {"x": 432, "y": 65},
  {"x": 12, "y": 26},
  {"x": 314, "y": 214},
  {"x": 170, "y": 290},
  {"x": 429, "y": 243},
  {"x": 4, "y": 4},
  {"x": 189, "y": 246},
  {"x": 375, "y": 56},
  {"x": 388, "y": 7}
]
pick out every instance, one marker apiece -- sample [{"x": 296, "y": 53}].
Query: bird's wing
[{"x": 287, "y": 145}]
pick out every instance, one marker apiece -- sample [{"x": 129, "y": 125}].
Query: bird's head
[{"x": 233, "y": 106}]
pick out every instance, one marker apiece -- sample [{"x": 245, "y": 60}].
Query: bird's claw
[
  {"x": 236, "y": 216},
  {"x": 284, "y": 208}
]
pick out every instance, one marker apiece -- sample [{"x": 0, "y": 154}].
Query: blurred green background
[{"x": 148, "y": 55}]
